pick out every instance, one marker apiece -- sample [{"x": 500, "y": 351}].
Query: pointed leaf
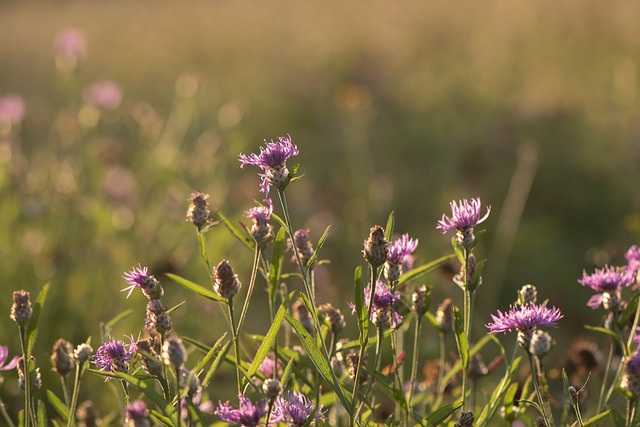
[
  {"x": 441, "y": 415},
  {"x": 423, "y": 269},
  {"x": 216, "y": 364},
  {"x": 595, "y": 419},
  {"x": 210, "y": 355},
  {"x": 194, "y": 287},
  {"x": 323, "y": 238},
  {"x": 159, "y": 418},
  {"x": 498, "y": 395},
  {"x": 602, "y": 330},
  {"x": 266, "y": 345},
  {"x": 31, "y": 331},
  {"x": 42, "y": 413},
  {"x": 58, "y": 405},
  {"x": 106, "y": 329},
  {"x": 361, "y": 309},
  {"x": 175, "y": 307},
  {"x": 391, "y": 223},
  {"x": 236, "y": 231},
  {"x": 461, "y": 339},
  {"x": 275, "y": 268}
]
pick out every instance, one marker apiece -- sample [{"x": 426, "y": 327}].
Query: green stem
[
  {"x": 441, "y": 385},
  {"x": 65, "y": 389},
  {"x": 254, "y": 271},
  {"x": 397, "y": 382},
  {"x": 74, "y": 396},
  {"x": 631, "y": 411},
  {"x": 5, "y": 414},
  {"x": 536, "y": 385},
  {"x": 607, "y": 370},
  {"x": 635, "y": 325},
  {"x": 236, "y": 343},
  {"x": 27, "y": 379},
  {"x": 376, "y": 364},
  {"x": 466, "y": 323}
]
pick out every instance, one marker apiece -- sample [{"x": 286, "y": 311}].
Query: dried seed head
[
  {"x": 528, "y": 294},
  {"x": 198, "y": 212},
  {"x": 445, "y": 316},
  {"x": 334, "y": 316},
  {"x": 376, "y": 248},
  {"x": 225, "y": 281},
  {"x": 466, "y": 420},
  {"x": 82, "y": 353},
  {"x": 419, "y": 299},
  {"x": 149, "y": 350},
  {"x": 62, "y": 357},
  {"x": 477, "y": 368},
  {"x": 157, "y": 317},
  {"x": 173, "y": 352},
  {"x": 541, "y": 343},
  {"x": 86, "y": 415},
  {"x": 21, "y": 310},
  {"x": 271, "y": 388},
  {"x": 301, "y": 313},
  {"x": 187, "y": 376}
]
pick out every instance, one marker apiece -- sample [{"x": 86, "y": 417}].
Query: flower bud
[
  {"x": 272, "y": 388},
  {"x": 21, "y": 310},
  {"x": 86, "y": 415},
  {"x": 466, "y": 420},
  {"x": 528, "y": 294},
  {"x": 445, "y": 316},
  {"x": 225, "y": 281},
  {"x": 419, "y": 299},
  {"x": 376, "y": 248},
  {"x": 198, "y": 212},
  {"x": 137, "y": 414},
  {"x": 540, "y": 343},
  {"x": 192, "y": 379},
  {"x": 157, "y": 317},
  {"x": 62, "y": 357},
  {"x": 301, "y": 314},
  {"x": 82, "y": 353},
  {"x": 149, "y": 350},
  {"x": 334, "y": 316},
  {"x": 173, "y": 352}
]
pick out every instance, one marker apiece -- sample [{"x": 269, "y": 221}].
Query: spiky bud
[
  {"x": 445, "y": 316},
  {"x": 62, "y": 357},
  {"x": 611, "y": 301},
  {"x": 198, "y": 211},
  {"x": 466, "y": 420},
  {"x": 173, "y": 352},
  {"x": 21, "y": 310},
  {"x": 189, "y": 378},
  {"x": 157, "y": 317},
  {"x": 149, "y": 349},
  {"x": 381, "y": 317},
  {"x": 303, "y": 245},
  {"x": 272, "y": 388},
  {"x": 225, "y": 281},
  {"x": 477, "y": 368},
  {"x": 376, "y": 248},
  {"x": 36, "y": 381},
  {"x": 541, "y": 343},
  {"x": 524, "y": 338},
  {"x": 528, "y": 294},
  {"x": 334, "y": 316},
  {"x": 351, "y": 360},
  {"x": 82, "y": 353}
]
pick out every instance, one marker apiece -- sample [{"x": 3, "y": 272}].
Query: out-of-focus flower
[
  {"x": 4, "y": 355},
  {"x": 114, "y": 356},
  {"x": 334, "y": 316},
  {"x": 62, "y": 357},
  {"x": 70, "y": 47},
  {"x": 268, "y": 366},
  {"x": 633, "y": 258},
  {"x": 138, "y": 277},
  {"x": 524, "y": 319},
  {"x": 445, "y": 315},
  {"x": 464, "y": 215},
  {"x": 105, "y": 94},
  {"x": 295, "y": 408},
  {"x": 86, "y": 415},
  {"x": 631, "y": 379},
  {"x": 272, "y": 160},
  {"x": 173, "y": 352},
  {"x": 12, "y": 109},
  {"x": 303, "y": 245},
  {"x": 400, "y": 257},
  {"x": 607, "y": 280},
  {"x": 247, "y": 414},
  {"x": 205, "y": 407},
  {"x": 137, "y": 414}
]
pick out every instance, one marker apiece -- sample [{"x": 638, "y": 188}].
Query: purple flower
[
  {"x": 464, "y": 216},
  {"x": 204, "y": 407},
  {"x": 11, "y": 109},
  {"x": 383, "y": 301},
  {"x": 247, "y": 414},
  {"x": 606, "y": 280},
  {"x": 272, "y": 160},
  {"x": 633, "y": 258},
  {"x": 138, "y": 278},
  {"x": 260, "y": 214},
  {"x": 268, "y": 365},
  {"x": 4, "y": 354},
  {"x": 71, "y": 43},
  {"x": 294, "y": 408},
  {"x": 401, "y": 249},
  {"x": 104, "y": 94},
  {"x": 137, "y": 412},
  {"x": 114, "y": 356},
  {"x": 524, "y": 318}
]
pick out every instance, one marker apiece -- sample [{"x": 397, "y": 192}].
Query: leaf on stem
[
  {"x": 461, "y": 338},
  {"x": 32, "y": 327},
  {"x": 595, "y": 419},
  {"x": 275, "y": 268},
  {"x": 499, "y": 394},
  {"x": 391, "y": 223},
  {"x": 441, "y": 415},
  {"x": 423, "y": 269},
  {"x": 266, "y": 345},
  {"x": 323, "y": 238},
  {"x": 194, "y": 287},
  {"x": 236, "y": 231},
  {"x": 361, "y": 309}
]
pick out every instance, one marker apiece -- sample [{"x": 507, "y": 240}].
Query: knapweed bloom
[
  {"x": 4, "y": 355},
  {"x": 268, "y": 366},
  {"x": 261, "y": 229},
  {"x": 383, "y": 313},
  {"x": 247, "y": 414},
  {"x": 631, "y": 379},
  {"x": 303, "y": 245},
  {"x": 12, "y": 109},
  {"x": 465, "y": 215},
  {"x": 607, "y": 282},
  {"x": 633, "y": 260},
  {"x": 138, "y": 277},
  {"x": 272, "y": 160},
  {"x": 137, "y": 414},
  {"x": 524, "y": 319},
  {"x": 106, "y": 95},
  {"x": 295, "y": 408},
  {"x": 400, "y": 257},
  {"x": 114, "y": 356}
]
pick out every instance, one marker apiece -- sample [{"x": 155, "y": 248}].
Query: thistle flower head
[
  {"x": 261, "y": 229},
  {"x": 106, "y": 95},
  {"x": 138, "y": 278},
  {"x": 608, "y": 280},
  {"x": 272, "y": 160},
  {"x": 400, "y": 257},
  {"x": 247, "y": 414},
  {"x": 137, "y": 414},
  {"x": 70, "y": 42},
  {"x": 295, "y": 408},
  {"x": 114, "y": 356},
  {"x": 465, "y": 215},
  {"x": 524, "y": 318},
  {"x": 4, "y": 355},
  {"x": 383, "y": 305},
  {"x": 633, "y": 258}
]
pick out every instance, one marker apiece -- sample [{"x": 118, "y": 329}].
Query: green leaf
[
  {"x": 423, "y": 269},
  {"x": 595, "y": 419},
  {"x": 323, "y": 238},
  {"x": 236, "y": 231},
  {"x": 58, "y": 405},
  {"x": 361, "y": 308},
  {"x": 194, "y": 287},
  {"x": 280, "y": 221},
  {"x": 287, "y": 373},
  {"x": 275, "y": 269},
  {"x": 147, "y": 389},
  {"x": 210, "y": 355},
  {"x": 159, "y": 418},
  {"x": 441, "y": 415},
  {"x": 509, "y": 399},
  {"x": 318, "y": 360},
  {"x": 477, "y": 347},
  {"x": 216, "y": 364},
  {"x": 499, "y": 394},
  {"x": 602, "y": 330},
  {"x": 458, "y": 249},
  {"x": 42, "y": 413},
  {"x": 388, "y": 230},
  {"x": 565, "y": 386},
  {"x": 264, "y": 348},
  {"x": 461, "y": 338},
  {"x": 31, "y": 331},
  {"x": 175, "y": 307},
  {"x": 629, "y": 311}
]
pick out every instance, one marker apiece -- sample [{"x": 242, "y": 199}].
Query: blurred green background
[{"x": 394, "y": 106}]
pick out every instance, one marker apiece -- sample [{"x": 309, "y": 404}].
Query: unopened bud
[
  {"x": 198, "y": 212},
  {"x": 301, "y": 314},
  {"x": 334, "y": 316},
  {"x": 21, "y": 310},
  {"x": 148, "y": 349},
  {"x": 376, "y": 248},
  {"x": 62, "y": 357},
  {"x": 466, "y": 420},
  {"x": 445, "y": 316},
  {"x": 157, "y": 317},
  {"x": 82, "y": 353},
  {"x": 225, "y": 281},
  {"x": 541, "y": 343},
  {"x": 419, "y": 299},
  {"x": 271, "y": 388},
  {"x": 173, "y": 352}
]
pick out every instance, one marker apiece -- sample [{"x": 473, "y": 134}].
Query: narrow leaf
[
  {"x": 32, "y": 327},
  {"x": 318, "y": 360},
  {"x": 58, "y": 405},
  {"x": 108, "y": 327},
  {"x": 159, "y": 418},
  {"x": 361, "y": 310},
  {"x": 441, "y": 415},
  {"x": 194, "y": 287},
  {"x": 391, "y": 222},
  {"x": 275, "y": 269},
  {"x": 210, "y": 355},
  {"x": 216, "y": 364},
  {"x": 264, "y": 348},
  {"x": 175, "y": 307},
  {"x": 236, "y": 231},
  {"x": 323, "y": 238},
  {"x": 423, "y": 269},
  {"x": 498, "y": 395},
  {"x": 42, "y": 413},
  {"x": 595, "y": 419},
  {"x": 461, "y": 339},
  {"x": 602, "y": 330}
]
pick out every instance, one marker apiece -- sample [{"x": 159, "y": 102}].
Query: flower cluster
[
  {"x": 114, "y": 356},
  {"x": 247, "y": 414}
]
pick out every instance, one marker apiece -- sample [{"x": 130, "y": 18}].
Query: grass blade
[
  {"x": 264, "y": 348},
  {"x": 194, "y": 287}
]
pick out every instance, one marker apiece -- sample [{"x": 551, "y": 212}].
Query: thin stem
[
  {"x": 376, "y": 364},
  {"x": 254, "y": 271},
  {"x": 536, "y": 385},
  {"x": 179, "y": 393},
  {"x": 607, "y": 370},
  {"x": 74, "y": 396},
  {"x": 465, "y": 314},
  {"x": 164, "y": 385},
  {"x": 236, "y": 343},
  {"x": 414, "y": 364},
  {"x": 65, "y": 389},
  {"x": 396, "y": 380},
  {"x": 27, "y": 379},
  {"x": 635, "y": 325},
  {"x": 5, "y": 414},
  {"x": 614, "y": 383},
  {"x": 441, "y": 362},
  {"x": 631, "y": 411},
  {"x": 576, "y": 408}
]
